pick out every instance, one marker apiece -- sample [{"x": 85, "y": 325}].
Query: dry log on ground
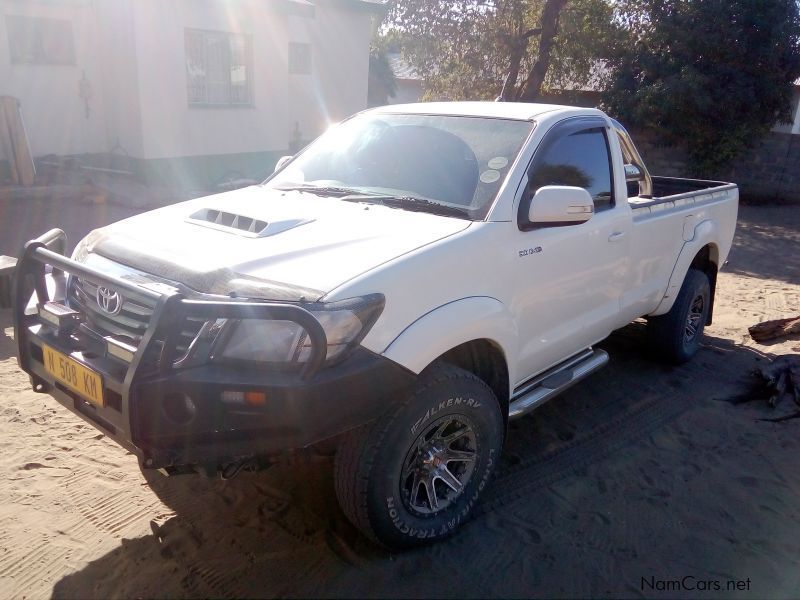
[{"x": 769, "y": 330}]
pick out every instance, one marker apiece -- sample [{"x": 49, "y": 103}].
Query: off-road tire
[
  {"x": 374, "y": 463},
  {"x": 670, "y": 336}
]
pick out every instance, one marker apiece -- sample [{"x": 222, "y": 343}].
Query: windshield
[{"x": 433, "y": 163}]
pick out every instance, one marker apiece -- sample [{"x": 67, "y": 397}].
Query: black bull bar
[
  {"x": 158, "y": 342},
  {"x": 170, "y": 312},
  {"x": 306, "y": 403}
]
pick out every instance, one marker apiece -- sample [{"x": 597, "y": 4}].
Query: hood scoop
[{"x": 242, "y": 224}]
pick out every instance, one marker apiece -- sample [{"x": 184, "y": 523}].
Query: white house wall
[
  {"x": 794, "y": 125},
  {"x": 171, "y": 127},
  {"x": 337, "y": 85},
  {"x": 133, "y": 53},
  {"x": 305, "y": 108},
  {"x": 120, "y": 84},
  {"x": 54, "y": 113}
]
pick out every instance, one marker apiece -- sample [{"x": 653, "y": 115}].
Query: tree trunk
[
  {"x": 513, "y": 73},
  {"x": 532, "y": 87}
]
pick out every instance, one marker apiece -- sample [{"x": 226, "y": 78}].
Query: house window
[
  {"x": 299, "y": 58},
  {"x": 219, "y": 68},
  {"x": 35, "y": 41}
]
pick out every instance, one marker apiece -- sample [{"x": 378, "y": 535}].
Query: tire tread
[
  {"x": 665, "y": 332},
  {"x": 355, "y": 456}
]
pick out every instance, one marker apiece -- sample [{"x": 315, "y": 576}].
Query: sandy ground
[{"x": 638, "y": 481}]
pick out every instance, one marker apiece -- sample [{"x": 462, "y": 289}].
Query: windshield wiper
[
  {"x": 328, "y": 190},
  {"x": 422, "y": 205},
  {"x": 404, "y": 202}
]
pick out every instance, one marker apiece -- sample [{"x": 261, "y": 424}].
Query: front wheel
[
  {"x": 675, "y": 336},
  {"x": 417, "y": 473}
]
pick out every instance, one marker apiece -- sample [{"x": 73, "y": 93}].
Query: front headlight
[
  {"x": 263, "y": 341},
  {"x": 345, "y": 322}
]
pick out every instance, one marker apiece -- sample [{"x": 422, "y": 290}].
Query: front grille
[{"x": 130, "y": 323}]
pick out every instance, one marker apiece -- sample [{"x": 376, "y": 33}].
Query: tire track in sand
[{"x": 518, "y": 481}]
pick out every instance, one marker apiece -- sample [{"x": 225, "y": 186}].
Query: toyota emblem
[{"x": 108, "y": 300}]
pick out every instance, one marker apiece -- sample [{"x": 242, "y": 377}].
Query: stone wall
[{"x": 768, "y": 172}]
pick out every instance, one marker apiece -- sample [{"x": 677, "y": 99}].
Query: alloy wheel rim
[
  {"x": 694, "y": 318},
  {"x": 439, "y": 465}
]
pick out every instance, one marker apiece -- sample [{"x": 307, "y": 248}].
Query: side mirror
[
  {"x": 282, "y": 162},
  {"x": 560, "y": 205},
  {"x": 633, "y": 173}
]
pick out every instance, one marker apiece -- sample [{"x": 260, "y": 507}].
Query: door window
[{"x": 579, "y": 159}]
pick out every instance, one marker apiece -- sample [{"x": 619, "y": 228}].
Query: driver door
[{"x": 570, "y": 277}]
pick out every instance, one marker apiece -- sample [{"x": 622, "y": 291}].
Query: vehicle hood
[{"x": 264, "y": 243}]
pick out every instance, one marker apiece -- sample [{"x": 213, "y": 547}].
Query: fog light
[
  {"x": 255, "y": 398},
  {"x": 59, "y": 315},
  {"x": 179, "y": 408},
  {"x": 120, "y": 349}
]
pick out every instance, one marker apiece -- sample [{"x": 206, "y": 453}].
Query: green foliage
[
  {"x": 463, "y": 49},
  {"x": 456, "y": 47},
  {"x": 587, "y": 32},
  {"x": 713, "y": 75}
]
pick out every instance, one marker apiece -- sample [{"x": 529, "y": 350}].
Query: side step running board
[{"x": 554, "y": 381}]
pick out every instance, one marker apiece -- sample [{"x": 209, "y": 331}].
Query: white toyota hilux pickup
[{"x": 398, "y": 290}]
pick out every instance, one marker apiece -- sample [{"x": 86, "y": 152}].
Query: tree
[
  {"x": 381, "y": 82},
  {"x": 481, "y": 49},
  {"x": 551, "y": 11},
  {"x": 712, "y": 75}
]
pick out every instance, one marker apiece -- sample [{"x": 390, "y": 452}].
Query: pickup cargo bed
[{"x": 674, "y": 189}]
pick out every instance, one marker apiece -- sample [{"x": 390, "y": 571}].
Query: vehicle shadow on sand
[{"x": 548, "y": 526}]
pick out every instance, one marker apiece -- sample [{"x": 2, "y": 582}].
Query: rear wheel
[
  {"x": 675, "y": 337},
  {"x": 417, "y": 473}
]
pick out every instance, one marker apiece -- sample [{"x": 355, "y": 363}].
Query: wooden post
[
  {"x": 15, "y": 141},
  {"x": 6, "y": 145},
  {"x": 7, "y": 265}
]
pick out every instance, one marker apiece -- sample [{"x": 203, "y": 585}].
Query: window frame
[
  {"x": 248, "y": 57},
  {"x": 13, "y": 52},
  {"x": 559, "y": 131}
]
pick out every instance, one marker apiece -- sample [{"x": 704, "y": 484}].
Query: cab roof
[{"x": 522, "y": 111}]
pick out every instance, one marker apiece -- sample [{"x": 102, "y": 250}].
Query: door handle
[{"x": 616, "y": 236}]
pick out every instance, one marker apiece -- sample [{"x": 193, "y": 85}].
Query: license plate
[{"x": 74, "y": 375}]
